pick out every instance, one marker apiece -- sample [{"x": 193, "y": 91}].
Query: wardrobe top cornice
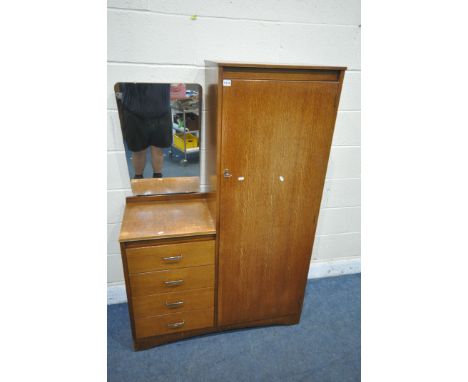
[{"x": 277, "y": 66}]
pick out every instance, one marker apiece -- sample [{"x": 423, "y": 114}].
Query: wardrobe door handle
[
  {"x": 175, "y": 325},
  {"x": 172, "y": 259},
  {"x": 173, "y": 305},
  {"x": 173, "y": 283},
  {"x": 227, "y": 173}
]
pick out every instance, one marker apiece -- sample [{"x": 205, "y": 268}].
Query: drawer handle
[
  {"x": 172, "y": 259},
  {"x": 173, "y": 283},
  {"x": 173, "y": 305},
  {"x": 176, "y": 325}
]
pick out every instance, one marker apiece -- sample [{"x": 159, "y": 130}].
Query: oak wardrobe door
[{"x": 275, "y": 143}]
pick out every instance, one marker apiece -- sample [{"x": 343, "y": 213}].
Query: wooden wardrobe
[{"x": 236, "y": 252}]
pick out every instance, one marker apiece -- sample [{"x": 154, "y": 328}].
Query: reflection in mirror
[{"x": 161, "y": 129}]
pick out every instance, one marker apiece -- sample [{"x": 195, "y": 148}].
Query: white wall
[{"x": 157, "y": 40}]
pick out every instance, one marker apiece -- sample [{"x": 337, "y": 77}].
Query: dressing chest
[{"x": 232, "y": 248}]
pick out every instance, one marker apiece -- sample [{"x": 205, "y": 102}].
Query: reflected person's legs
[
  {"x": 138, "y": 160},
  {"x": 157, "y": 161}
]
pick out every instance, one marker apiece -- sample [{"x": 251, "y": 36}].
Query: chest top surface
[{"x": 166, "y": 219}]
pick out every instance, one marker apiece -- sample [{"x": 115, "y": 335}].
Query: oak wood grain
[
  {"x": 171, "y": 240},
  {"x": 159, "y": 325},
  {"x": 173, "y": 218},
  {"x": 165, "y": 303},
  {"x": 169, "y": 256},
  {"x": 283, "y": 75},
  {"x": 214, "y": 78},
  {"x": 143, "y": 284},
  {"x": 277, "y": 136},
  {"x": 166, "y": 197}
]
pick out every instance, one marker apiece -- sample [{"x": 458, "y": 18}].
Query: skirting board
[
  {"x": 347, "y": 266},
  {"x": 116, "y": 291}
]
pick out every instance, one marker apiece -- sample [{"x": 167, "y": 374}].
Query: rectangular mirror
[{"x": 161, "y": 130}]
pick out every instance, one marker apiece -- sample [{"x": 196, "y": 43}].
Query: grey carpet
[{"x": 324, "y": 346}]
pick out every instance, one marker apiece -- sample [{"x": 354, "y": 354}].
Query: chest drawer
[
  {"x": 169, "y": 256},
  {"x": 175, "y": 302},
  {"x": 173, "y": 323},
  {"x": 173, "y": 280}
]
